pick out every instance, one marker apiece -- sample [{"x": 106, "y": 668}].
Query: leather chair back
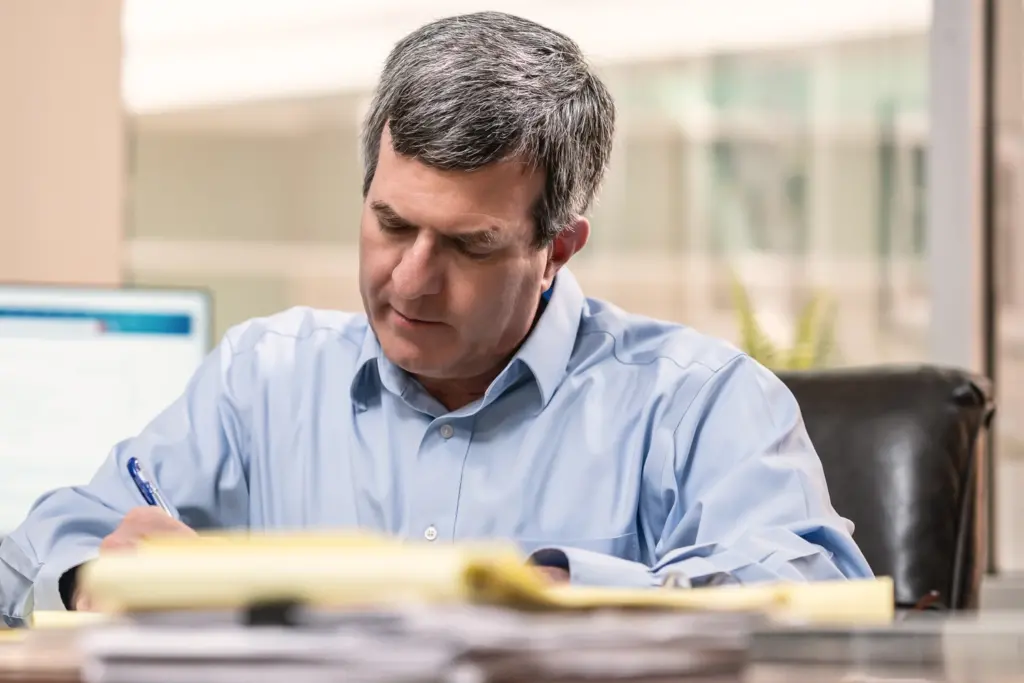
[{"x": 902, "y": 449}]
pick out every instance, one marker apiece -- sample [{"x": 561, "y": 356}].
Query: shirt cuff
[
  {"x": 588, "y": 568},
  {"x": 46, "y": 585}
]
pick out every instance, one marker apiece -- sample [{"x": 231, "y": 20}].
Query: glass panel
[
  {"x": 786, "y": 167},
  {"x": 798, "y": 168}
]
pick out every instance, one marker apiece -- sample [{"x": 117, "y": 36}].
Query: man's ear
[{"x": 568, "y": 242}]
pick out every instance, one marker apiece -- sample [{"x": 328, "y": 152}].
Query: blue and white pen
[{"x": 148, "y": 489}]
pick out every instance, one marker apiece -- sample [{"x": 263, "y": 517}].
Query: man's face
[{"x": 449, "y": 272}]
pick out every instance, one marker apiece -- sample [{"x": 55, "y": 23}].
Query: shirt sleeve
[
  {"x": 194, "y": 452},
  {"x": 733, "y": 493}
]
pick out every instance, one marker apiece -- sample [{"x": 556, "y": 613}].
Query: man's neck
[{"x": 455, "y": 394}]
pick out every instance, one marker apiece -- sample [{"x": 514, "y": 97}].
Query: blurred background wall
[
  {"x": 62, "y": 123},
  {"x": 780, "y": 141}
]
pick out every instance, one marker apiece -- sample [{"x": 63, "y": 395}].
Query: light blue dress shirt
[{"x": 621, "y": 447}]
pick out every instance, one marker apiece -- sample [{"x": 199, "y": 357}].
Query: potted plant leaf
[{"x": 813, "y": 341}]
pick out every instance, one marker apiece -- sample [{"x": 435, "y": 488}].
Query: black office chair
[{"x": 902, "y": 452}]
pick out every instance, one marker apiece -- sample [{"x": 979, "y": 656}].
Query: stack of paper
[{"x": 457, "y": 643}]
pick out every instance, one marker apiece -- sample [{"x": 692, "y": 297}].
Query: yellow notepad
[
  {"x": 232, "y": 570},
  {"x": 56, "y": 619}
]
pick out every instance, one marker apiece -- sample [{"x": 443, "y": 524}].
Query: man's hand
[
  {"x": 553, "y": 574},
  {"x": 141, "y": 523},
  {"x": 138, "y": 524}
]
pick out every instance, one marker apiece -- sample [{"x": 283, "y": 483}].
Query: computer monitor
[{"x": 82, "y": 369}]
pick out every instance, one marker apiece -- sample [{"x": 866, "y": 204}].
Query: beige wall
[{"x": 61, "y": 141}]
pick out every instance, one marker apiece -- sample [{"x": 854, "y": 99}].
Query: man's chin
[
  {"x": 412, "y": 360},
  {"x": 422, "y": 370}
]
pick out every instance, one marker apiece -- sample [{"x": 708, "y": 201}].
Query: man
[{"x": 481, "y": 395}]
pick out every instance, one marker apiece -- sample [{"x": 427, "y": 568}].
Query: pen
[{"x": 148, "y": 490}]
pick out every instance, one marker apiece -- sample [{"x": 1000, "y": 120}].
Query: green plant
[{"x": 813, "y": 341}]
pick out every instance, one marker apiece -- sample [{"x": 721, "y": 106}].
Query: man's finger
[
  {"x": 554, "y": 574},
  {"x": 83, "y": 603},
  {"x": 118, "y": 541}
]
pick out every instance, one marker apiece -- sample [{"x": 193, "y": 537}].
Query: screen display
[{"x": 81, "y": 370}]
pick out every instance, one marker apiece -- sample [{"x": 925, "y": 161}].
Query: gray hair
[{"x": 467, "y": 91}]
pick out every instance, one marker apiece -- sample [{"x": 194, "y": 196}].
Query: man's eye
[
  {"x": 473, "y": 252},
  {"x": 393, "y": 228}
]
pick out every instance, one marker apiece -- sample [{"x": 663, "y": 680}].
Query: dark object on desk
[
  {"x": 274, "y": 613},
  {"x": 902, "y": 449}
]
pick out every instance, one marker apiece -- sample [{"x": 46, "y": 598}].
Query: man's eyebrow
[
  {"x": 488, "y": 237},
  {"x": 384, "y": 211}
]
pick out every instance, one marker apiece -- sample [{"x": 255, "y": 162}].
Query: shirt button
[
  {"x": 431, "y": 533},
  {"x": 446, "y": 432}
]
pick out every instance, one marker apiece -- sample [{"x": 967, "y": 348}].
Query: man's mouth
[{"x": 413, "y": 320}]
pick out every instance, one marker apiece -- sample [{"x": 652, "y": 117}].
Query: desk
[
  {"x": 47, "y": 653},
  {"x": 982, "y": 649},
  {"x": 38, "y": 663},
  {"x": 825, "y": 673}
]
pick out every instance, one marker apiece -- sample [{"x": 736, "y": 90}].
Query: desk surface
[{"x": 957, "y": 650}]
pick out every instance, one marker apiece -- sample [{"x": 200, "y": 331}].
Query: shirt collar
[
  {"x": 546, "y": 351},
  {"x": 372, "y": 372},
  {"x": 549, "y": 347}
]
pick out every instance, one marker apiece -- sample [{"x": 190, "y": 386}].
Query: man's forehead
[{"x": 426, "y": 198}]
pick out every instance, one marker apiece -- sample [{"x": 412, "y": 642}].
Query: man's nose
[{"x": 418, "y": 274}]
